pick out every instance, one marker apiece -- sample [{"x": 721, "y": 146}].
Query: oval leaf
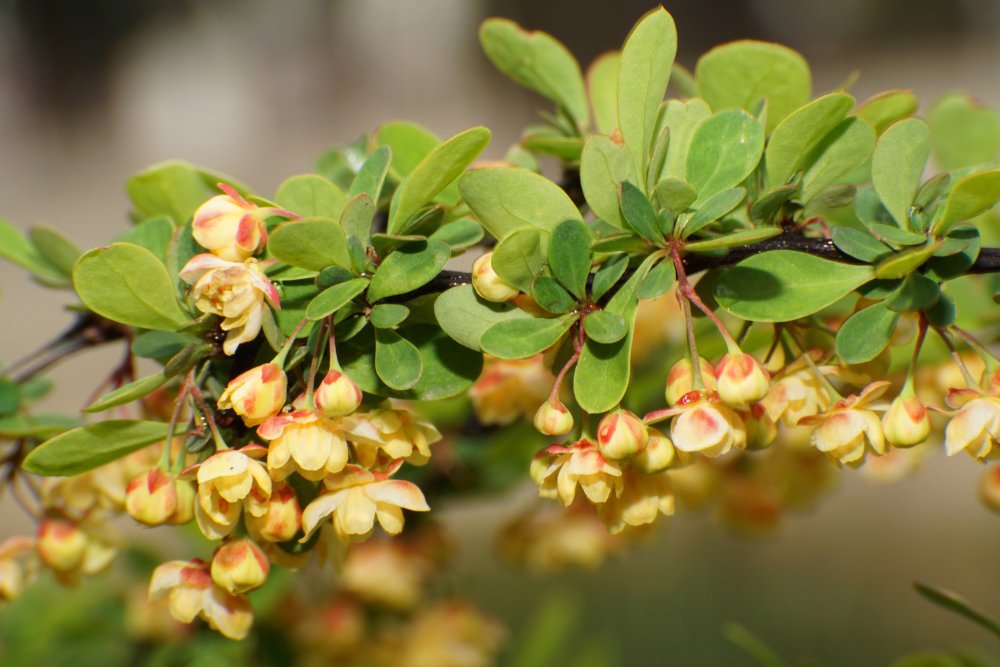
[
  {"x": 795, "y": 136},
  {"x": 407, "y": 268},
  {"x": 506, "y": 199},
  {"x": 603, "y": 165},
  {"x": 128, "y": 393},
  {"x": 897, "y": 164},
  {"x": 311, "y": 196},
  {"x": 465, "y": 317},
  {"x": 334, "y": 298},
  {"x": 397, "y": 360},
  {"x": 725, "y": 149},
  {"x": 312, "y": 243},
  {"x": 88, "y": 447},
  {"x": 522, "y": 338},
  {"x": 865, "y": 334},
  {"x": 604, "y": 326}
]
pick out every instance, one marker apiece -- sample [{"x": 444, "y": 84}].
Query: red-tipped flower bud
[
  {"x": 741, "y": 379},
  {"x": 283, "y": 517},
  {"x": 487, "y": 283},
  {"x": 61, "y": 545},
  {"x": 151, "y": 498},
  {"x": 337, "y": 395},
  {"x": 620, "y": 435},
  {"x": 657, "y": 455},
  {"x": 229, "y": 227},
  {"x": 256, "y": 395},
  {"x": 240, "y": 566},
  {"x": 553, "y": 418},
  {"x": 680, "y": 379},
  {"x": 906, "y": 422}
]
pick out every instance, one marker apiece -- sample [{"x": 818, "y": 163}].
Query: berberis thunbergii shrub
[{"x": 727, "y": 295}]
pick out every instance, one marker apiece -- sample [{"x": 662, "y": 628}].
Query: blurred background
[{"x": 91, "y": 92}]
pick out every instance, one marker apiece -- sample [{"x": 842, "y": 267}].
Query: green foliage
[
  {"x": 521, "y": 338},
  {"x": 520, "y": 257},
  {"x": 334, "y": 298},
  {"x": 724, "y": 150},
  {"x": 740, "y": 74},
  {"x": 537, "y": 61},
  {"x": 569, "y": 256},
  {"x": 87, "y": 447},
  {"x": 311, "y": 196},
  {"x": 397, "y": 360},
  {"x": 465, "y": 317},
  {"x": 965, "y": 133},
  {"x": 800, "y": 132},
  {"x": 897, "y": 164},
  {"x": 128, "y": 393},
  {"x": 506, "y": 199},
  {"x": 784, "y": 285},
  {"x": 128, "y": 284},
  {"x": 603, "y": 165},
  {"x": 407, "y": 268},
  {"x": 865, "y": 334},
  {"x": 311, "y": 243},
  {"x": 16, "y": 248},
  {"x": 882, "y": 110},
  {"x": 174, "y": 189}
]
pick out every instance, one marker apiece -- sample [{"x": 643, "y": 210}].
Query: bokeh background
[{"x": 93, "y": 91}]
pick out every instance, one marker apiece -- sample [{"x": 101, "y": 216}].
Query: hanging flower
[
  {"x": 558, "y": 469},
  {"x": 192, "y": 593},
  {"x": 227, "y": 481},
  {"x": 229, "y": 226},
  {"x": 845, "y": 431}
]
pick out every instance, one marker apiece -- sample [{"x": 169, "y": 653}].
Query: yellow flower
[
  {"x": 256, "y": 395},
  {"x": 356, "y": 498},
  {"x": 621, "y": 435},
  {"x": 235, "y": 291},
  {"x": 283, "y": 517},
  {"x": 386, "y": 573},
  {"x": 12, "y": 575},
  {"x": 70, "y": 549},
  {"x": 229, "y": 226},
  {"x": 680, "y": 379},
  {"x": 741, "y": 379},
  {"x": 844, "y": 430},
  {"x": 906, "y": 422},
  {"x": 552, "y": 538},
  {"x": 642, "y": 499},
  {"x": 305, "y": 442},
  {"x": 337, "y": 395},
  {"x": 151, "y": 498},
  {"x": 449, "y": 634},
  {"x": 509, "y": 389},
  {"x": 228, "y": 480},
  {"x": 974, "y": 428},
  {"x": 553, "y": 418},
  {"x": 401, "y": 434},
  {"x": 706, "y": 426},
  {"x": 192, "y": 593},
  {"x": 558, "y": 470},
  {"x": 795, "y": 395}
]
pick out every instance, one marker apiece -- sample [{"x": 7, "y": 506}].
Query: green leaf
[
  {"x": 550, "y": 141},
  {"x": 449, "y": 369},
  {"x": 607, "y": 275},
  {"x": 715, "y": 207},
  {"x": 569, "y": 256},
  {"x": 783, "y": 285},
  {"x": 10, "y": 397},
  {"x": 945, "y": 267},
  {"x": 767, "y": 207},
  {"x": 310, "y": 243},
  {"x": 522, "y": 338},
  {"x": 128, "y": 393},
  {"x": 388, "y": 315},
  {"x": 334, "y": 298},
  {"x": 639, "y": 213},
  {"x": 397, "y": 360},
  {"x": 154, "y": 234},
  {"x": 311, "y": 196},
  {"x": 733, "y": 239},
  {"x": 725, "y": 149},
  {"x": 126, "y": 283},
  {"x": 603, "y": 165},
  {"x": 843, "y": 150},
  {"x": 943, "y": 312},
  {"x": 971, "y": 195},
  {"x": 800, "y": 132},
  {"x": 964, "y": 132},
  {"x": 602, "y": 84},
  {"x": 55, "y": 248},
  {"x": 356, "y": 219},
  {"x": 916, "y": 293},
  {"x": 603, "y": 370},
  {"x": 894, "y": 235},
  {"x": 552, "y": 296},
  {"x": 739, "y": 74},
  {"x": 160, "y": 344},
  {"x": 508, "y": 199},
  {"x": 537, "y": 61},
  {"x": 35, "y": 425},
  {"x": 683, "y": 119},
  {"x": 440, "y": 166},
  {"x": 371, "y": 176},
  {"x": 605, "y": 327},
  {"x": 865, "y": 334},
  {"x": 897, "y": 164},
  {"x": 646, "y": 60},
  {"x": 15, "y": 247},
  {"x": 674, "y": 195},
  {"x": 859, "y": 244},
  {"x": 520, "y": 257},
  {"x": 459, "y": 234},
  {"x": 407, "y": 268},
  {"x": 958, "y": 605},
  {"x": 882, "y": 110},
  {"x": 659, "y": 279},
  {"x": 903, "y": 263},
  {"x": 465, "y": 317},
  {"x": 82, "y": 449},
  {"x": 174, "y": 189},
  {"x": 409, "y": 143}
]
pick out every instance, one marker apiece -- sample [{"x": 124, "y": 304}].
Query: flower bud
[
  {"x": 552, "y": 418},
  {"x": 151, "y": 498},
  {"x": 761, "y": 429},
  {"x": 620, "y": 435},
  {"x": 185, "y": 503},
  {"x": 61, "y": 545},
  {"x": 283, "y": 517},
  {"x": 256, "y": 395},
  {"x": 906, "y": 422},
  {"x": 229, "y": 227},
  {"x": 989, "y": 488},
  {"x": 487, "y": 283},
  {"x": 240, "y": 566},
  {"x": 657, "y": 455},
  {"x": 741, "y": 379},
  {"x": 680, "y": 379},
  {"x": 337, "y": 395}
]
